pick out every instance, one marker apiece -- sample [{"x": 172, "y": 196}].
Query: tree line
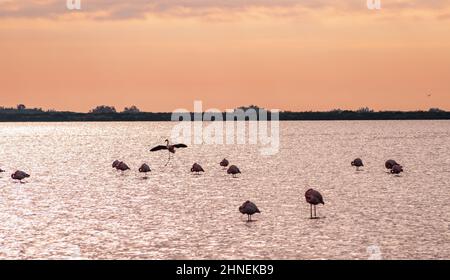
[{"x": 109, "y": 113}]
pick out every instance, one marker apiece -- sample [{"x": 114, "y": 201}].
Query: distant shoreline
[{"x": 52, "y": 116}]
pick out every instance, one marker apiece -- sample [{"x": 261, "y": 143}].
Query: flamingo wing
[
  {"x": 157, "y": 148},
  {"x": 180, "y": 146},
  {"x": 320, "y": 198}
]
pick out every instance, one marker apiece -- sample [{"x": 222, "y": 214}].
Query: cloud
[{"x": 121, "y": 9}]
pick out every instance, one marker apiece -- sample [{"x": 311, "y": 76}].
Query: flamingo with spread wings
[{"x": 169, "y": 147}]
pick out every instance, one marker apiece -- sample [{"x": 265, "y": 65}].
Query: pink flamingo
[
  {"x": 358, "y": 163},
  {"x": 144, "y": 169},
  {"x": 397, "y": 169},
  {"x": 122, "y": 166},
  {"x": 390, "y": 163},
  {"x": 170, "y": 148},
  {"x": 19, "y": 175},
  {"x": 313, "y": 197},
  {"x": 224, "y": 163},
  {"x": 248, "y": 208},
  {"x": 234, "y": 170},
  {"x": 197, "y": 168}
]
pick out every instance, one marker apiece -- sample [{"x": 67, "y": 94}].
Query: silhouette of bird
[
  {"x": 390, "y": 163},
  {"x": 19, "y": 175},
  {"x": 122, "y": 166},
  {"x": 358, "y": 163},
  {"x": 234, "y": 170},
  {"x": 224, "y": 163},
  {"x": 1, "y": 170},
  {"x": 144, "y": 169},
  {"x": 197, "y": 168},
  {"x": 170, "y": 148},
  {"x": 115, "y": 163},
  {"x": 249, "y": 208},
  {"x": 313, "y": 197},
  {"x": 397, "y": 169}
]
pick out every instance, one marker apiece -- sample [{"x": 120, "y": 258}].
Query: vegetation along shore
[{"x": 108, "y": 113}]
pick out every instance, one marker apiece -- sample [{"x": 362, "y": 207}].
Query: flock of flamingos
[{"x": 248, "y": 208}]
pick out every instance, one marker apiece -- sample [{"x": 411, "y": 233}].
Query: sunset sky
[{"x": 284, "y": 54}]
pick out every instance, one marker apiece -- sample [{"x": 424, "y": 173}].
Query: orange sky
[{"x": 286, "y": 54}]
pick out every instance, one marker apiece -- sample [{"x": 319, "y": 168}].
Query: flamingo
[
  {"x": 170, "y": 148},
  {"x": 249, "y": 208},
  {"x": 397, "y": 169},
  {"x": 358, "y": 163},
  {"x": 197, "y": 168},
  {"x": 19, "y": 175},
  {"x": 115, "y": 163},
  {"x": 122, "y": 166},
  {"x": 233, "y": 170},
  {"x": 313, "y": 197},
  {"x": 1, "y": 170},
  {"x": 224, "y": 163},
  {"x": 144, "y": 169},
  {"x": 390, "y": 163}
]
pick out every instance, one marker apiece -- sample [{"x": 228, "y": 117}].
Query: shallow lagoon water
[{"x": 75, "y": 205}]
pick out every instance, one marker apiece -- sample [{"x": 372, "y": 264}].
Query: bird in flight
[{"x": 169, "y": 147}]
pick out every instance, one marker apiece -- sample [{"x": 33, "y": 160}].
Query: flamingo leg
[
  {"x": 315, "y": 216},
  {"x": 310, "y": 210},
  {"x": 168, "y": 160}
]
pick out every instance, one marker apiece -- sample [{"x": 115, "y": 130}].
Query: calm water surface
[{"x": 75, "y": 206}]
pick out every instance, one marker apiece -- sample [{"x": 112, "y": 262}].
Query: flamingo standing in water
[
  {"x": 390, "y": 163},
  {"x": 122, "y": 166},
  {"x": 197, "y": 168},
  {"x": 313, "y": 197},
  {"x": 358, "y": 163},
  {"x": 224, "y": 163},
  {"x": 144, "y": 169},
  {"x": 397, "y": 169},
  {"x": 19, "y": 175},
  {"x": 170, "y": 148},
  {"x": 115, "y": 163},
  {"x": 248, "y": 208},
  {"x": 234, "y": 170}
]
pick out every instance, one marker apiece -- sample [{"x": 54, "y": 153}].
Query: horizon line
[{"x": 244, "y": 107}]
